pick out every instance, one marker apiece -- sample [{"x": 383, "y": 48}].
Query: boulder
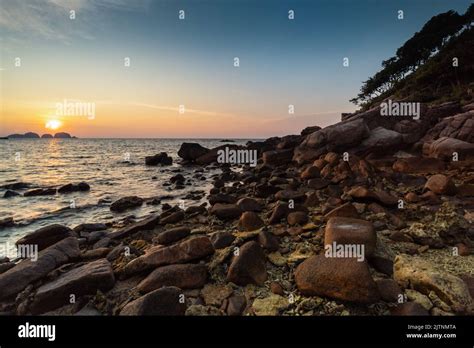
[
  {"x": 249, "y": 204},
  {"x": 381, "y": 140},
  {"x": 82, "y": 186},
  {"x": 250, "y": 221},
  {"x": 444, "y": 148},
  {"x": 80, "y": 281},
  {"x": 297, "y": 218},
  {"x": 248, "y": 267},
  {"x": 364, "y": 194},
  {"x": 172, "y": 218},
  {"x": 189, "y": 250},
  {"x": 126, "y": 203},
  {"x": 191, "y": 151},
  {"x": 10, "y": 193},
  {"x": 162, "y": 302},
  {"x": 441, "y": 184},
  {"x": 183, "y": 276},
  {"x": 418, "y": 274},
  {"x": 28, "y": 271},
  {"x": 46, "y": 236},
  {"x": 277, "y": 157},
  {"x": 40, "y": 192},
  {"x": 221, "y": 240},
  {"x": 161, "y": 158},
  {"x": 226, "y": 211},
  {"x": 343, "y": 279}
]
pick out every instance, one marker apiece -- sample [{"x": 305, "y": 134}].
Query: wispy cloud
[{"x": 49, "y": 19}]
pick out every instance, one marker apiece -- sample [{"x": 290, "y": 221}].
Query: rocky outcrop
[{"x": 191, "y": 151}]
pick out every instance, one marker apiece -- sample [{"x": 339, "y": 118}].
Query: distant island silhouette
[{"x": 33, "y": 135}]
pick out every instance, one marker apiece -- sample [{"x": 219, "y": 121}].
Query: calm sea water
[{"x": 99, "y": 162}]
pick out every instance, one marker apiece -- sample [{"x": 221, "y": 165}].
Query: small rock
[
  {"x": 409, "y": 309},
  {"x": 297, "y": 218},
  {"x": 249, "y": 266},
  {"x": 270, "y": 306},
  {"x": 126, "y": 203}
]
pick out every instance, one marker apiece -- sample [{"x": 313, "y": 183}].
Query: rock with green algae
[{"x": 270, "y": 306}]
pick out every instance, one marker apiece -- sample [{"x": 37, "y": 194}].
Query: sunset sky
[{"x": 190, "y": 62}]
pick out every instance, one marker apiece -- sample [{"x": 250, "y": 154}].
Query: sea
[{"x": 113, "y": 168}]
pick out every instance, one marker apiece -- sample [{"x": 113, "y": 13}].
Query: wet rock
[
  {"x": 418, "y": 274},
  {"x": 80, "y": 187},
  {"x": 161, "y": 158},
  {"x": 90, "y": 227},
  {"x": 40, "y": 192},
  {"x": 172, "y": 218},
  {"x": 248, "y": 267},
  {"x": 178, "y": 179},
  {"x": 349, "y": 231},
  {"x": 225, "y": 211},
  {"x": 441, "y": 184},
  {"x": 418, "y": 165},
  {"x": 143, "y": 225},
  {"x": 28, "y": 271},
  {"x": 6, "y": 266},
  {"x": 280, "y": 212},
  {"x": 287, "y": 195},
  {"x": 221, "y": 240},
  {"x": 172, "y": 235},
  {"x": 250, "y": 221},
  {"x": 163, "y": 302},
  {"x": 297, "y": 218},
  {"x": 46, "y": 236},
  {"x": 249, "y": 204},
  {"x": 126, "y": 203},
  {"x": 183, "y": 276},
  {"x": 84, "y": 280},
  {"x": 409, "y": 309},
  {"x": 191, "y": 151},
  {"x": 339, "y": 278},
  {"x": 10, "y": 193},
  {"x": 270, "y": 306},
  {"x": 7, "y": 222},
  {"x": 189, "y": 250},
  {"x": 346, "y": 210},
  {"x": 389, "y": 290},
  {"x": 16, "y": 186},
  {"x": 268, "y": 241},
  {"x": 221, "y": 198}
]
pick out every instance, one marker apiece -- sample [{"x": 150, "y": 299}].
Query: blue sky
[{"x": 190, "y": 61}]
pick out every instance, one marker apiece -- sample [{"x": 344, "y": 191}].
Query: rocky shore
[{"x": 399, "y": 188}]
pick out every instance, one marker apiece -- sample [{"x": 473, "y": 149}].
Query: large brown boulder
[
  {"x": 441, "y": 184},
  {"x": 418, "y": 165},
  {"x": 84, "y": 280},
  {"x": 444, "y": 148},
  {"x": 28, "y": 271},
  {"x": 343, "y": 279},
  {"x": 277, "y": 157},
  {"x": 226, "y": 211},
  {"x": 350, "y": 231},
  {"x": 250, "y": 221},
  {"x": 422, "y": 276},
  {"x": 189, "y": 250},
  {"x": 167, "y": 301}
]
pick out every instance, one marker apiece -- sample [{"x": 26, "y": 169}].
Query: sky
[{"x": 182, "y": 81}]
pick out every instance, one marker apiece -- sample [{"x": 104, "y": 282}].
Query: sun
[{"x": 53, "y": 124}]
